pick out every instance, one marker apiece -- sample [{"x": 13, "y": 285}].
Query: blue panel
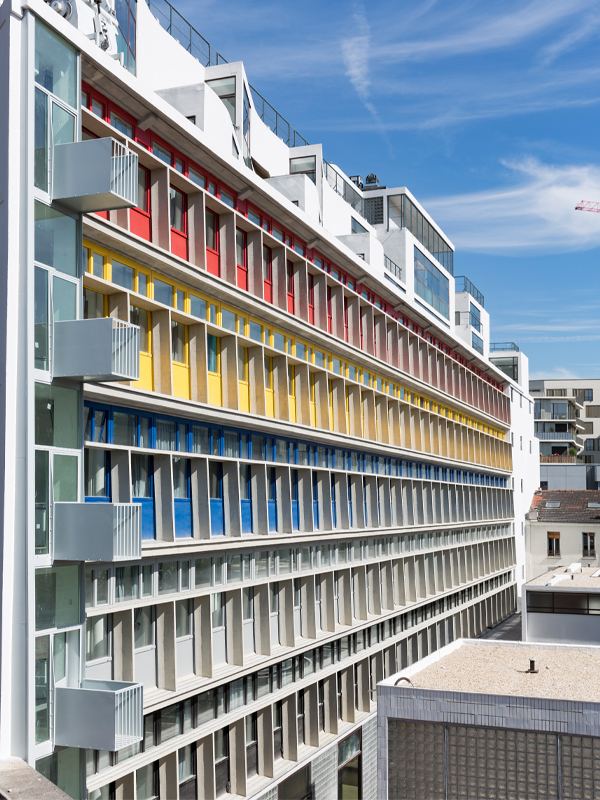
[
  {"x": 183, "y": 517},
  {"x": 97, "y": 499},
  {"x": 334, "y": 513},
  {"x": 366, "y": 515},
  {"x": 316, "y": 514},
  {"x": 147, "y": 504},
  {"x": 272, "y": 508},
  {"x": 246, "y": 516},
  {"x": 350, "y": 518},
  {"x": 217, "y": 521},
  {"x": 295, "y": 515}
]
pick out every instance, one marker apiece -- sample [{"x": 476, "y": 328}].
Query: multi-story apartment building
[
  {"x": 253, "y": 463},
  {"x": 525, "y": 445}
]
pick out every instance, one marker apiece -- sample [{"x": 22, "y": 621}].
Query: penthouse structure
[{"x": 253, "y": 462}]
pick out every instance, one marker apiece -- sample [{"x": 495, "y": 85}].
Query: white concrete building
[
  {"x": 491, "y": 719},
  {"x": 253, "y": 460},
  {"x": 563, "y": 606},
  {"x": 561, "y": 529}
]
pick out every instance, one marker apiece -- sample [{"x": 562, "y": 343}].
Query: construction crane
[{"x": 587, "y": 205}]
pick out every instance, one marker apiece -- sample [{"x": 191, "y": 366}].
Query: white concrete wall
[{"x": 538, "y": 561}]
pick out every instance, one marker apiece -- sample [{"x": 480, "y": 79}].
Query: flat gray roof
[
  {"x": 561, "y": 578},
  {"x": 565, "y": 672}
]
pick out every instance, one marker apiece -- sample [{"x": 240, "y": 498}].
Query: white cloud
[
  {"x": 558, "y": 373},
  {"x": 537, "y": 211}
]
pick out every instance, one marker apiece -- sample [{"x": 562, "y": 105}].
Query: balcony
[
  {"x": 97, "y": 531},
  {"x": 502, "y": 347},
  {"x": 558, "y": 459},
  {"x": 589, "y": 554},
  {"x": 99, "y": 715},
  {"x": 463, "y": 284},
  {"x": 96, "y": 350},
  {"x": 392, "y": 267},
  {"x": 95, "y": 175},
  {"x": 560, "y": 436}
]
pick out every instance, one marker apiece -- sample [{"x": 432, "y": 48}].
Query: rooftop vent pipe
[
  {"x": 532, "y": 668},
  {"x": 372, "y": 180}
]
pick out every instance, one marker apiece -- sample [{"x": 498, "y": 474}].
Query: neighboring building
[
  {"x": 586, "y": 394},
  {"x": 525, "y": 446},
  {"x": 474, "y": 720},
  {"x": 252, "y": 463},
  {"x": 561, "y": 529},
  {"x": 563, "y": 606}
]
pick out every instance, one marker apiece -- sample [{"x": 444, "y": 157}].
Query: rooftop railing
[
  {"x": 392, "y": 267},
  {"x": 189, "y": 38},
  {"x": 344, "y": 188},
  {"x": 500, "y": 346},
  {"x": 463, "y": 284}
]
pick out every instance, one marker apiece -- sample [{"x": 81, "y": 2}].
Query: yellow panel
[
  {"x": 181, "y": 381},
  {"x": 146, "y": 380},
  {"x": 215, "y": 392},
  {"x": 313, "y": 414},
  {"x": 270, "y": 398},
  {"x": 244, "y": 396},
  {"x": 292, "y": 409}
]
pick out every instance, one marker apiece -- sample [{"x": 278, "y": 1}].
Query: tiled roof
[{"x": 573, "y": 506}]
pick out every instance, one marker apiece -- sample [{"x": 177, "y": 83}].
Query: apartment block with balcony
[{"x": 252, "y": 465}]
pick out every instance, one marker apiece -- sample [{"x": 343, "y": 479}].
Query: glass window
[
  {"x": 96, "y": 637},
  {"x": 177, "y": 200},
  {"x": 42, "y": 689},
  {"x": 178, "y": 340},
  {"x": 41, "y": 319},
  {"x": 56, "y": 416},
  {"x": 93, "y": 304},
  {"x": 64, "y": 299},
  {"x": 203, "y": 572},
  {"x": 212, "y": 343},
  {"x": 124, "y": 428},
  {"x": 304, "y": 166},
  {"x": 163, "y": 292},
  {"x": 211, "y": 229},
  {"x": 55, "y": 239},
  {"x": 123, "y": 275},
  {"x": 143, "y": 181},
  {"x": 121, "y": 125},
  {"x": 170, "y": 722},
  {"x": 431, "y": 284},
  {"x": 161, "y": 152},
  {"x": 198, "y": 306},
  {"x": 167, "y": 577},
  {"x": 142, "y": 627},
  {"x": 225, "y": 89},
  {"x": 40, "y": 157},
  {"x": 55, "y": 65},
  {"x": 57, "y": 597}
]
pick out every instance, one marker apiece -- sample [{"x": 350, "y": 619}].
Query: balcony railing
[
  {"x": 548, "y": 436},
  {"x": 95, "y": 175},
  {"x": 189, "y": 38},
  {"x": 463, "y": 284},
  {"x": 344, "y": 188},
  {"x": 589, "y": 554},
  {"x": 542, "y": 414},
  {"x": 104, "y": 349},
  {"x": 558, "y": 459},
  {"x": 502, "y": 346},
  {"x": 97, "y": 531},
  {"x": 99, "y": 715},
  {"x": 392, "y": 267}
]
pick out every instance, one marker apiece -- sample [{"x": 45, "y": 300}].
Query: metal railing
[
  {"x": 555, "y": 437},
  {"x": 496, "y": 346},
  {"x": 392, "y": 267},
  {"x": 344, "y": 188},
  {"x": 542, "y": 413},
  {"x": 589, "y": 554},
  {"x": 126, "y": 350},
  {"x": 129, "y": 716},
  {"x": 124, "y": 173},
  {"x": 463, "y": 284},
  {"x": 189, "y": 38},
  {"x": 127, "y": 531}
]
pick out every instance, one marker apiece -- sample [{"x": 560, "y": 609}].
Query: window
[
  {"x": 589, "y": 545},
  {"x": 267, "y": 273},
  {"x": 431, "y": 284},
  {"x": 411, "y": 218},
  {"x": 291, "y": 302},
  {"x": 350, "y": 766},
  {"x": 588, "y": 395},
  {"x": 477, "y": 343},
  {"x": 212, "y": 242},
  {"x": 178, "y": 208},
  {"x": 589, "y": 444},
  {"x": 225, "y": 89},
  {"x": 241, "y": 259},
  {"x": 553, "y": 544},
  {"x": 356, "y": 227},
  {"x": 304, "y": 166}
]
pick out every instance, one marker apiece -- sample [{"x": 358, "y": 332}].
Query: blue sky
[{"x": 488, "y": 112}]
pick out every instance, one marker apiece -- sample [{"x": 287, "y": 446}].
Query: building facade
[
  {"x": 491, "y": 719},
  {"x": 253, "y": 462},
  {"x": 561, "y": 529}
]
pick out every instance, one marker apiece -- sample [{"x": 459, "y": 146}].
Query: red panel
[
  {"x": 242, "y": 278},
  {"x": 179, "y": 244},
  {"x": 102, "y": 214},
  {"x": 268, "y": 291},
  {"x": 212, "y": 262},
  {"x": 140, "y": 224}
]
